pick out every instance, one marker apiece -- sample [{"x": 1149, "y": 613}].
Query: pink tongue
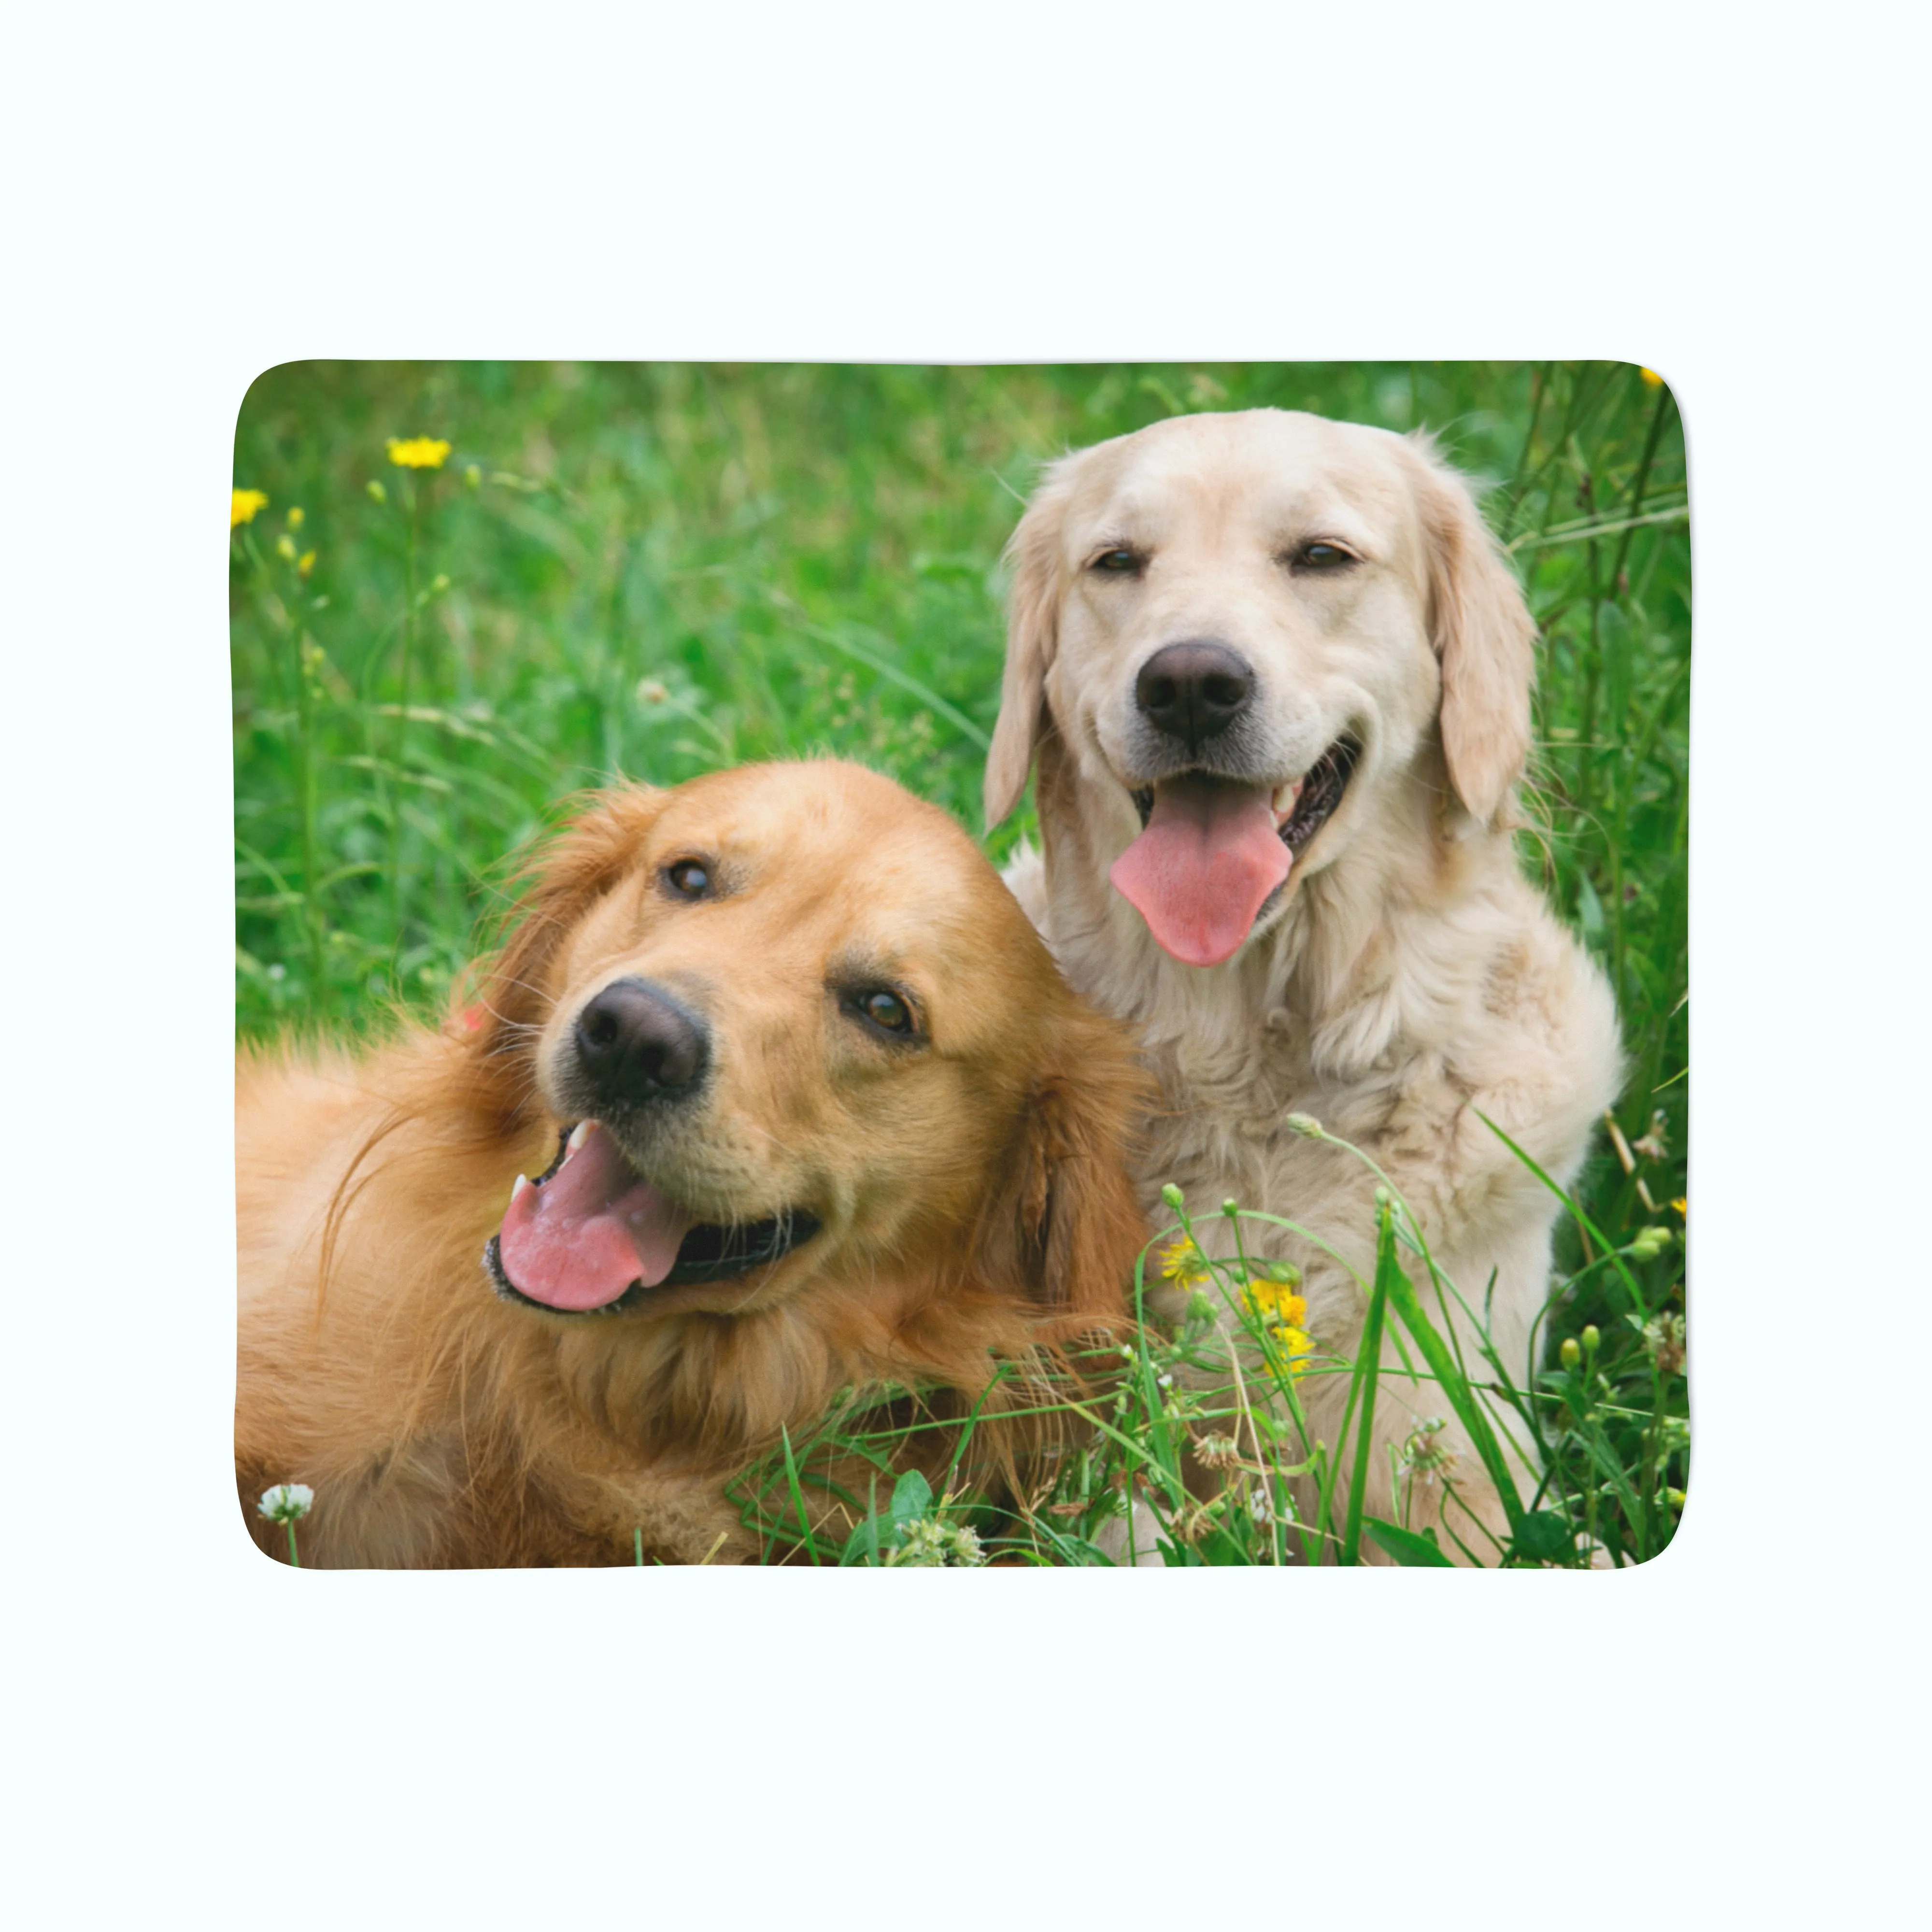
[
  {"x": 1198, "y": 874},
  {"x": 592, "y": 1229}
]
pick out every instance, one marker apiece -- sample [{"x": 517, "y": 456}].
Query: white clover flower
[
  {"x": 928, "y": 1544},
  {"x": 286, "y": 1501},
  {"x": 1262, "y": 1506},
  {"x": 923, "y": 1545},
  {"x": 967, "y": 1554}
]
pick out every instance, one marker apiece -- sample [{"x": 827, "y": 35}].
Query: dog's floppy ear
[
  {"x": 1032, "y": 620},
  {"x": 1483, "y": 635},
  {"x": 1069, "y": 1212},
  {"x": 566, "y": 876}
]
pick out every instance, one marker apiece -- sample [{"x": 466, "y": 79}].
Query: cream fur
[{"x": 1409, "y": 978}]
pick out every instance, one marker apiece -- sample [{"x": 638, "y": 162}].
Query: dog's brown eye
[
  {"x": 689, "y": 878},
  {"x": 887, "y": 1010},
  {"x": 1317, "y": 557},
  {"x": 1120, "y": 563}
]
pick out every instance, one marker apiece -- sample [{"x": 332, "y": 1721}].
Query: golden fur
[
  {"x": 1407, "y": 978},
  {"x": 973, "y": 1193}
]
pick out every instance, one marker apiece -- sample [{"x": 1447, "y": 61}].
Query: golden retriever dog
[
  {"x": 772, "y": 1091},
  {"x": 1277, "y": 677}
]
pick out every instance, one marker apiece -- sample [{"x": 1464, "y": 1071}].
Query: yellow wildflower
[
  {"x": 285, "y": 547},
  {"x": 242, "y": 504},
  {"x": 1182, "y": 1261},
  {"x": 1275, "y": 1303},
  {"x": 1682, "y": 1204},
  {"x": 296, "y": 517},
  {"x": 306, "y": 562},
  {"x": 1651, "y": 378},
  {"x": 1292, "y": 1344},
  {"x": 417, "y": 452}
]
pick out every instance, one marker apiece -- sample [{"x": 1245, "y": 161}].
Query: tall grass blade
[{"x": 1388, "y": 1269}]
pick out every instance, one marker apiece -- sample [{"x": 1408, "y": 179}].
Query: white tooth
[
  {"x": 522, "y": 1180},
  {"x": 579, "y": 1134},
  {"x": 1285, "y": 796}
]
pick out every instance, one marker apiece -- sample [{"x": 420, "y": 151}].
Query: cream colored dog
[{"x": 1278, "y": 679}]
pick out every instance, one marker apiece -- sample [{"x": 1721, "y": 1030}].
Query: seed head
[{"x": 1422, "y": 1455}]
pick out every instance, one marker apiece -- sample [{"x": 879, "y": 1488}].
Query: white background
[{"x": 1730, "y": 1736}]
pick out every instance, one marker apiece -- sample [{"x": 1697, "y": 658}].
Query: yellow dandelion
[
  {"x": 1181, "y": 1261},
  {"x": 242, "y": 506},
  {"x": 417, "y": 452},
  {"x": 1292, "y": 1344},
  {"x": 1651, "y": 378},
  {"x": 285, "y": 547},
  {"x": 1275, "y": 1303},
  {"x": 1683, "y": 1206},
  {"x": 306, "y": 562},
  {"x": 296, "y": 517}
]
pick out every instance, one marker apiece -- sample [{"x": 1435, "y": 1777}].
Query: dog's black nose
[
  {"x": 1194, "y": 691},
  {"x": 636, "y": 1043}
]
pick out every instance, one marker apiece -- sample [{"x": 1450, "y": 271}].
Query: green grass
[
  {"x": 1225, "y": 1387},
  {"x": 650, "y": 570}
]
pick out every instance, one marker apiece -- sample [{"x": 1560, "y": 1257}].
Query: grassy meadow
[{"x": 650, "y": 571}]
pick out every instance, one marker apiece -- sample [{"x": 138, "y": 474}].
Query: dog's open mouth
[
  {"x": 1300, "y": 809},
  {"x": 1316, "y": 794},
  {"x": 591, "y": 1236},
  {"x": 1213, "y": 851}
]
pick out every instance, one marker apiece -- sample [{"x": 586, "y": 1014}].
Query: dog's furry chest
[{"x": 1222, "y": 1130}]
